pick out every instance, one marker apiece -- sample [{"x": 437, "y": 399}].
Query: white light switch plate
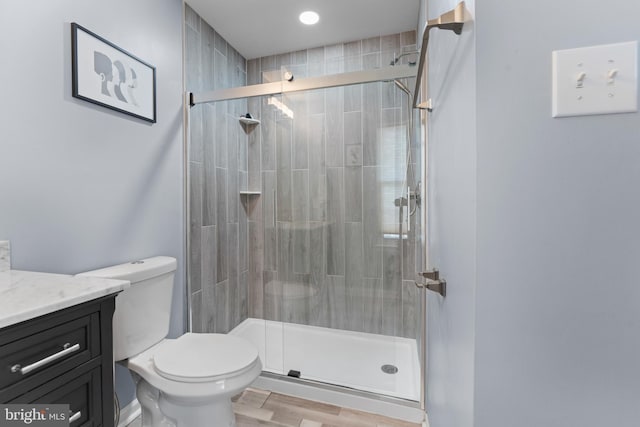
[{"x": 595, "y": 80}]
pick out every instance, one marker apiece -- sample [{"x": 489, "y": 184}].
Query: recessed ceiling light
[{"x": 309, "y": 17}]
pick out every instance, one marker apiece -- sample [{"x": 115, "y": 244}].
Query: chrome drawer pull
[
  {"x": 75, "y": 417},
  {"x": 68, "y": 349}
]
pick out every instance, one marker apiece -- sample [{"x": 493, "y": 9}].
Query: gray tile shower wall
[
  {"x": 218, "y": 169},
  {"x": 311, "y": 248},
  {"x": 319, "y": 254}
]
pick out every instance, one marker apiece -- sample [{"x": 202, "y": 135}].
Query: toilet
[{"x": 183, "y": 382}]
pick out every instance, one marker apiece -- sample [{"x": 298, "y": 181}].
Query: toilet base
[
  {"x": 218, "y": 413},
  {"x": 162, "y": 410}
]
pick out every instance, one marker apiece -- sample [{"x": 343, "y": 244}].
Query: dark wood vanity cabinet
[{"x": 64, "y": 357}]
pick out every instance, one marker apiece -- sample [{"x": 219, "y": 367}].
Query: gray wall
[
  {"x": 82, "y": 186},
  {"x": 218, "y": 228},
  {"x": 558, "y": 237},
  {"x": 452, "y": 222},
  {"x": 540, "y": 324}
]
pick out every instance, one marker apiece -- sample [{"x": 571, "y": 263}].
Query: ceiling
[{"x": 266, "y": 27}]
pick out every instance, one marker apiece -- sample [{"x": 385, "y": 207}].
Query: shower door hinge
[
  {"x": 433, "y": 282},
  {"x": 426, "y": 105}
]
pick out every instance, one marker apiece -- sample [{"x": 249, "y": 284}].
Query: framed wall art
[{"x": 107, "y": 75}]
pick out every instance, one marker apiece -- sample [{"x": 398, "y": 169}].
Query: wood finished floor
[{"x": 263, "y": 408}]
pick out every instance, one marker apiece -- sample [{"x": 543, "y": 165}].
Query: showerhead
[{"x": 395, "y": 60}]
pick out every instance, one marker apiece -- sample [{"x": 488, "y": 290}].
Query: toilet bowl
[
  {"x": 183, "y": 382},
  {"x": 195, "y": 379}
]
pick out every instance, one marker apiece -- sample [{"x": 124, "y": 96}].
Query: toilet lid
[{"x": 203, "y": 357}]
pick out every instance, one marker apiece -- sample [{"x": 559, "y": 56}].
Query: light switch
[{"x": 595, "y": 80}]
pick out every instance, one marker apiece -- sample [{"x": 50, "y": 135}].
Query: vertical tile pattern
[
  {"x": 354, "y": 272},
  {"x": 326, "y": 176},
  {"x": 284, "y": 251},
  {"x": 283, "y": 160},
  {"x": 196, "y": 312},
  {"x": 209, "y": 197},
  {"x": 334, "y": 143},
  {"x": 391, "y": 289},
  {"x": 337, "y": 296},
  {"x": 353, "y": 138},
  {"x": 301, "y": 226},
  {"x": 335, "y": 219},
  {"x": 219, "y": 151},
  {"x": 196, "y": 129},
  {"x": 269, "y": 219},
  {"x": 317, "y": 169},
  {"x": 256, "y": 267},
  {"x": 208, "y": 310},
  {"x": 372, "y": 295},
  {"x": 195, "y": 226},
  {"x": 411, "y": 309},
  {"x": 372, "y": 222},
  {"x": 209, "y": 256},
  {"x": 300, "y": 134},
  {"x": 371, "y": 124},
  {"x": 353, "y": 193},
  {"x": 221, "y": 307},
  {"x": 312, "y": 247}
]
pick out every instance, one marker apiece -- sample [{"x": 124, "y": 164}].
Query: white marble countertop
[{"x": 25, "y": 295}]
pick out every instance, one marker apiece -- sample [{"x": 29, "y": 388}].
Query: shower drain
[{"x": 389, "y": 369}]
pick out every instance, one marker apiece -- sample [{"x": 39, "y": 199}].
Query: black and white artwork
[{"x": 107, "y": 75}]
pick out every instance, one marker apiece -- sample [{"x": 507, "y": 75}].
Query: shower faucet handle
[
  {"x": 431, "y": 275},
  {"x": 433, "y": 282}
]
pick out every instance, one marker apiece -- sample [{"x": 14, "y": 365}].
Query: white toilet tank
[{"x": 143, "y": 311}]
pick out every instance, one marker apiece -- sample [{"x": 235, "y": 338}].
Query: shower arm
[{"x": 452, "y": 20}]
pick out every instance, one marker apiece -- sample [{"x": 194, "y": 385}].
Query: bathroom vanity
[{"x": 56, "y": 343}]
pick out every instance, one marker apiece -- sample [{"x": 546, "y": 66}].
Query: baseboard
[{"x": 129, "y": 413}]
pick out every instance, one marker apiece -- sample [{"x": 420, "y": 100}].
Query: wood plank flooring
[
  {"x": 256, "y": 407},
  {"x": 263, "y": 408}
]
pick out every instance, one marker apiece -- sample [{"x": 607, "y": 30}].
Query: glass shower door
[{"x": 343, "y": 244}]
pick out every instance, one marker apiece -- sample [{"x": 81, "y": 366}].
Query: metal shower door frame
[{"x": 388, "y": 73}]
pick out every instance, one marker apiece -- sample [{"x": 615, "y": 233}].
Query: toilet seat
[{"x": 196, "y": 358}]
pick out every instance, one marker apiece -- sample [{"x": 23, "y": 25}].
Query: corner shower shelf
[
  {"x": 247, "y": 121},
  {"x": 250, "y": 193}
]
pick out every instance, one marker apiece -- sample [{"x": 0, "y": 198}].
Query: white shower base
[{"x": 333, "y": 356}]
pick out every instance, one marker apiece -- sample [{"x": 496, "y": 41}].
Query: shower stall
[
  {"x": 305, "y": 211},
  {"x": 332, "y": 239}
]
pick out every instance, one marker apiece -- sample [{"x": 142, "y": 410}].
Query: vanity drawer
[
  {"x": 82, "y": 394},
  {"x": 30, "y": 361},
  {"x": 81, "y": 377}
]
